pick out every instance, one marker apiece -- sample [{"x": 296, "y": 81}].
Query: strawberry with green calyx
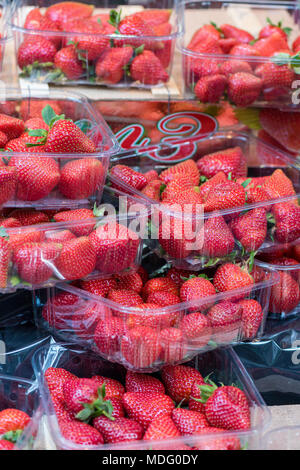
[
  {"x": 271, "y": 28},
  {"x": 230, "y": 276},
  {"x": 231, "y": 161},
  {"x": 195, "y": 403},
  {"x": 147, "y": 69},
  {"x": 35, "y": 52},
  {"x": 6, "y": 445},
  {"x": 5, "y": 257},
  {"x": 178, "y": 381},
  {"x": 111, "y": 66},
  {"x": 250, "y": 229},
  {"x": 12, "y": 423},
  {"x": 63, "y": 12},
  {"x": 67, "y": 60},
  {"x": 230, "y": 31},
  {"x": 87, "y": 399}
]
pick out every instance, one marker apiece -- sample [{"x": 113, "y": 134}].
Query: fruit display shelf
[{"x": 224, "y": 365}]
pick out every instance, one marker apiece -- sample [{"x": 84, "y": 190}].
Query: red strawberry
[
  {"x": 282, "y": 126},
  {"x": 164, "y": 54},
  {"x": 154, "y": 17},
  {"x": 202, "y": 33},
  {"x": 277, "y": 80},
  {"x": 99, "y": 286},
  {"x": 250, "y": 229},
  {"x": 233, "y": 66},
  {"x": 115, "y": 245},
  {"x": 65, "y": 137},
  {"x": 81, "y": 433},
  {"x": 110, "y": 67},
  {"x": 125, "y": 297},
  {"x": 12, "y": 420},
  {"x": 55, "y": 378},
  {"x": 36, "y": 176},
  {"x": 25, "y": 143},
  {"x": 179, "y": 380},
  {"x": 11, "y": 126},
  {"x": 33, "y": 18},
  {"x": 35, "y": 261},
  {"x": 285, "y": 295},
  {"x": 278, "y": 185},
  {"x": 177, "y": 234},
  {"x": 66, "y": 59},
  {"x": 199, "y": 68},
  {"x": 159, "y": 284},
  {"x": 134, "y": 25},
  {"x": 147, "y": 69},
  {"x": 210, "y": 89},
  {"x": 284, "y": 261},
  {"x": 17, "y": 240},
  {"x": 241, "y": 35},
  {"x": 187, "y": 168},
  {"x": 157, "y": 319},
  {"x": 296, "y": 45},
  {"x": 143, "y": 274},
  {"x": 10, "y": 222},
  {"x": 77, "y": 215},
  {"x": 218, "y": 238},
  {"x": 80, "y": 179},
  {"x": 152, "y": 190},
  {"x": 119, "y": 430},
  {"x": 63, "y": 12},
  {"x": 205, "y": 188},
  {"x": 163, "y": 298},
  {"x": 84, "y": 321},
  {"x": 216, "y": 443},
  {"x": 188, "y": 421},
  {"x": 113, "y": 388},
  {"x": 230, "y": 161},
  {"x": 268, "y": 46},
  {"x": 93, "y": 43},
  {"x": 287, "y": 222},
  {"x": 29, "y": 216},
  {"x": 196, "y": 289},
  {"x": 3, "y": 139},
  {"x": 228, "y": 408},
  {"x": 128, "y": 176},
  {"x": 272, "y": 28},
  {"x": 140, "y": 347},
  {"x": 225, "y": 319},
  {"x": 36, "y": 21},
  {"x": 144, "y": 407},
  {"x": 225, "y": 196},
  {"x": 159, "y": 429},
  {"x": 107, "y": 336},
  {"x": 8, "y": 181},
  {"x": 6, "y": 445},
  {"x": 178, "y": 275},
  {"x": 77, "y": 259},
  {"x": 252, "y": 316},
  {"x": 151, "y": 175},
  {"x": 244, "y": 88},
  {"x": 196, "y": 395},
  {"x": 172, "y": 343},
  {"x": 230, "y": 276},
  {"x": 246, "y": 51},
  {"x": 227, "y": 44},
  {"x": 143, "y": 383},
  {"x": 35, "y": 49},
  {"x": 33, "y": 108},
  {"x": 207, "y": 45},
  {"x": 196, "y": 329}
]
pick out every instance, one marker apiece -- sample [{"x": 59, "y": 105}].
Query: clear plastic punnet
[
  {"x": 216, "y": 225},
  {"x": 5, "y": 36},
  {"x": 52, "y": 180},
  {"x": 85, "y": 246},
  {"x": 146, "y": 338},
  {"x": 128, "y": 45},
  {"x": 285, "y": 438},
  {"x": 240, "y": 51},
  {"x": 223, "y": 365}
]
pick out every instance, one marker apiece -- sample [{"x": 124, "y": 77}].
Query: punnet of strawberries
[
  {"x": 179, "y": 405},
  {"x": 226, "y": 62},
  {"x": 12, "y": 424},
  {"x": 145, "y": 323},
  {"x": 94, "y": 45},
  {"x": 236, "y": 213}
]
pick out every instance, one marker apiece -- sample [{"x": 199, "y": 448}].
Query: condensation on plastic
[
  {"x": 242, "y": 14},
  {"x": 262, "y": 160},
  {"x": 76, "y": 107},
  {"x": 224, "y": 365},
  {"x": 22, "y": 7},
  {"x": 77, "y": 322}
]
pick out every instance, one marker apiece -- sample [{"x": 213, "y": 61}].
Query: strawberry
[
  {"x": 205, "y": 188},
  {"x": 252, "y": 316},
  {"x": 163, "y": 298},
  {"x": 218, "y": 238},
  {"x": 134, "y": 25},
  {"x": 250, "y": 229},
  {"x": 17, "y": 240},
  {"x": 62, "y": 12},
  {"x": 107, "y": 336},
  {"x": 154, "y": 17},
  {"x": 12, "y": 420},
  {"x": 8, "y": 181},
  {"x": 162, "y": 427},
  {"x": 225, "y": 196},
  {"x": 136, "y": 382},
  {"x": 11, "y": 126},
  {"x": 282, "y": 126},
  {"x": 230, "y": 161},
  {"x": 207, "y": 45},
  {"x": 278, "y": 185},
  {"x": 140, "y": 347},
  {"x": 94, "y": 43},
  {"x": 216, "y": 443},
  {"x": 210, "y": 89},
  {"x": 113, "y": 388},
  {"x": 199, "y": 68},
  {"x": 143, "y": 274},
  {"x": 65, "y": 137},
  {"x": 195, "y": 401},
  {"x": 225, "y": 319},
  {"x": 36, "y": 21},
  {"x": 156, "y": 320},
  {"x": 80, "y": 179},
  {"x": 25, "y": 143},
  {"x": 6, "y": 445},
  {"x": 151, "y": 175},
  {"x": 165, "y": 53},
  {"x": 128, "y": 176},
  {"x": 296, "y": 45},
  {"x": 244, "y": 88},
  {"x": 159, "y": 284},
  {"x": 272, "y": 28},
  {"x": 284, "y": 261},
  {"x": 119, "y": 430},
  {"x": 55, "y": 378},
  {"x": 115, "y": 245},
  {"x": 9, "y": 222},
  {"x": 228, "y": 67},
  {"x": 188, "y": 421},
  {"x": 230, "y": 276},
  {"x": 84, "y": 322},
  {"x": 66, "y": 59},
  {"x": 172, "y": 343},
  {"x": 58, "y": 312},
  {"x": 33, "y": 18},
  {"x": 29, "y": 216},
  {"x": 36, "y": 176},
  {"x": 33, "y": 108},
  {"x": 3, "y": 139},
  {"x": 230, "y": 31},
  {"x": 268, "y": 46},
  {"x": 227, "y": 407},
  {"x": 77, "y": 259},
  {"x": 285, "y": 295},
  {"x": 287, "y": 222},
  {"x": 35, "y": 49},
  {"x": 179, "y": 380},
  {"x": 110, "y": 67},
  {"x": 277, "y": 79},
  {"x": 147, "y": 69},
  {"x": 246, "y": 52},
  {"x": 196, "y": 288},
  {"x": 125, "y": 297},
  {"x": 80, "y": 216},
  {"x": 81, "y": 433},
  {"x": 176, "y": 193},
  {"x": 144, "y": 407},
  {"x": 178, "y": 275},
  {"x": 196, "y": 329},
  {"x": 202, "y": 33},
  {"x": 186, "y": 168},
  {"x": 152, "y": 190},
  {"x": 227, "y": 44},
  {"x": 99, "y": 286},
  {"x": 35, "y": 261}
]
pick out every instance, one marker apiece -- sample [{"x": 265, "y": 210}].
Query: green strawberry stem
[
  {"x": 50, "y": 118},
  {"x": 115, "y": 18},
  {"x": 12, "y": 436},
  {"x": 249, "y": 117},
  {"x": 206, "y": 390},
  {"x": 286, "y": 29},
  {"x": 98, "y": 408}
]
